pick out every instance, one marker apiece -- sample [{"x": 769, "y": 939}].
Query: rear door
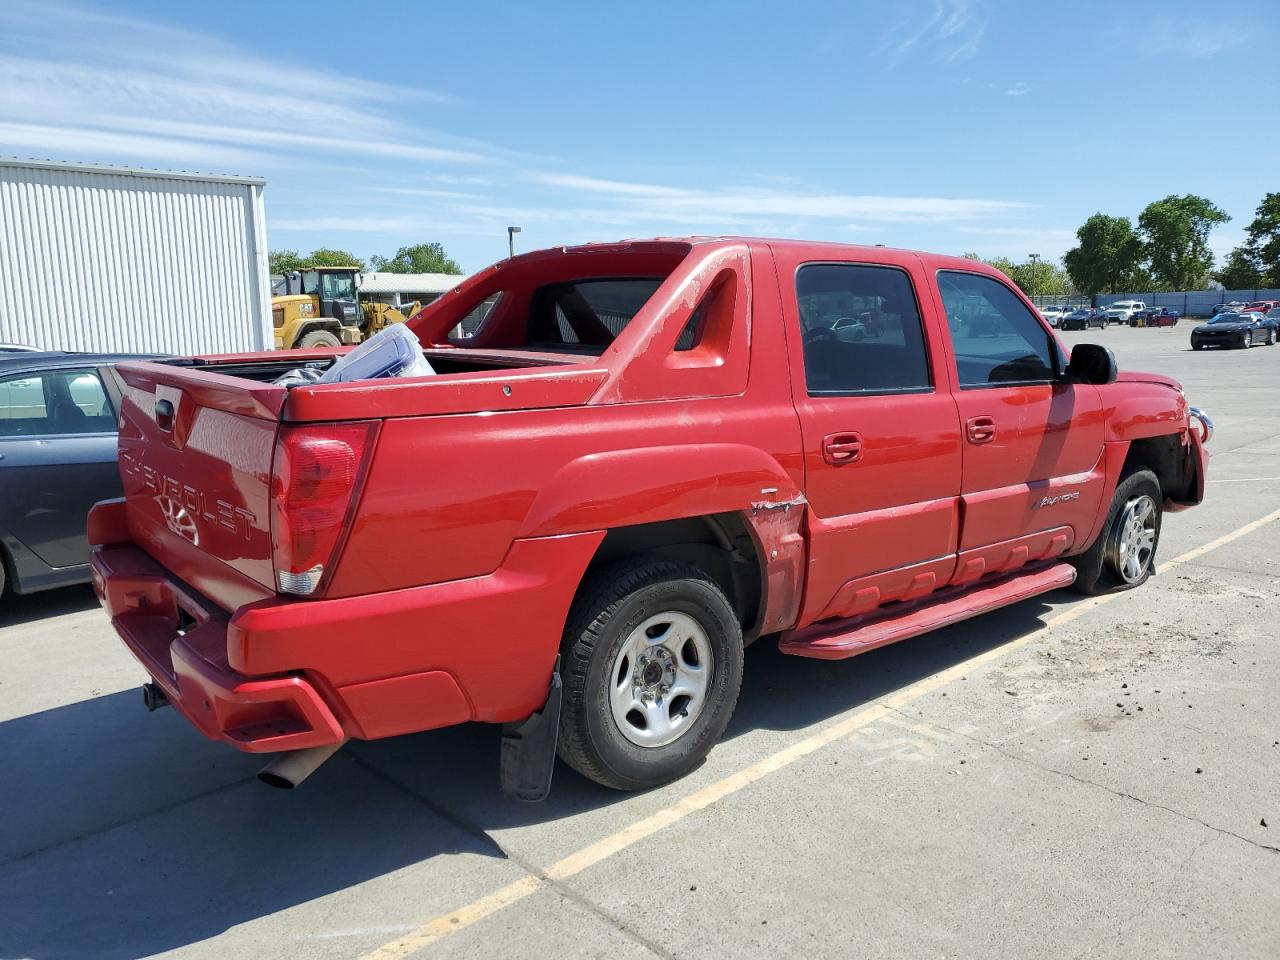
[
  {"x": 57, "y": 459},
  {"x": 1033, "y": 442},
  {"x": 880, "y": 433}
]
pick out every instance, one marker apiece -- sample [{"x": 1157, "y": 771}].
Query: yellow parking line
[{"x": 594, "y": 853}]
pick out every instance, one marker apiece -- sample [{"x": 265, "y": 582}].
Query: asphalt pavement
[{"x": 1063, "y": 778}]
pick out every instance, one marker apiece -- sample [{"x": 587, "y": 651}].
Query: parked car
[
  {"x": 1233, "y": 307},
  {"x": 1234, "y": 330},
  {"x": 1053, "y": 314},
  {"x": 1122, "y": 311},
  {"x": 1156, "y": 317},
  {"x": 57, "y": 459},
  {"x": 364, "y": 560},
  {"x": 1082, "y": 319},
  {"x": 1261, "y": 306}
]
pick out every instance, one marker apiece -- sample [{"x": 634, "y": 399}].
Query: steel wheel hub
[
  {"x": 1133, "y": 539},
  {"x": 660, "y": 679}
]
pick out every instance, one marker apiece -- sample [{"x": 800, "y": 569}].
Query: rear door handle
[
  {"x": 839, "y": 448},
  {"x": 981, "y": 429}
]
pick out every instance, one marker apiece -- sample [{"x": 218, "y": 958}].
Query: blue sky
[{"x": 946, "y": 125}]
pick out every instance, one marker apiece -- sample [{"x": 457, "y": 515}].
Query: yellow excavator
[{"x": 321, "y": 307}]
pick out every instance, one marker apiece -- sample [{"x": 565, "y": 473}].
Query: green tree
[
  {"x": 1241, "y": 271},
  {"x": 287, "y": 261},
  {"x": 420, "y": 258},
  {"x": 1176, "y": 231},
  {"x": 327, "y": 257},
  {"x": 1263, "y": 240},
  {"x": 284, "y": 261},
  {"x": 1106, "y": 255},
  {"x": 1046, "y": 279}
]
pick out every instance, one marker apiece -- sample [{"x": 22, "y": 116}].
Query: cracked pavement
[{"x": 1097, "y": 790}]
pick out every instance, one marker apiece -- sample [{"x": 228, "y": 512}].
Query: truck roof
[{"x": 871, "y": 252}]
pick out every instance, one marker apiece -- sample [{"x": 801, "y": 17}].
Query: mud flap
[{"x": 529, "y": 748}]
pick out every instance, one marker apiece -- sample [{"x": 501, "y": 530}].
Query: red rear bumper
[
  {"x": 284, "y": 673},
  {"x": 183, "y": 645}
]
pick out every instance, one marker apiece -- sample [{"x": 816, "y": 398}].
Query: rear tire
[
  {"x": 652, "y": 664},
  {"x": 319, "y": 338},
  {"x": 1123, "y": 555}
]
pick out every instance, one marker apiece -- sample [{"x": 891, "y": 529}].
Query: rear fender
[{"x": 653, "y": 484}]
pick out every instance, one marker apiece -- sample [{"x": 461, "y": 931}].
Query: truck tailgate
[{"x": 195, "y": 457}]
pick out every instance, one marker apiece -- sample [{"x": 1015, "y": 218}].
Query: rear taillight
[{"x": 314, "y": 486}]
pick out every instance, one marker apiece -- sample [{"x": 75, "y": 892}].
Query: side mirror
[{"x": 1092, "y": 363}]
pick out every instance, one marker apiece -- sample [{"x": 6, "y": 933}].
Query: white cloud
[
  {"x": 952, "y": 31},
  {"x": 682, "y": 204},
  {"x": 1019, "y": 89},
  {"x": 50, "y": 142},
  {"x": 1198, "y": 39},
  {"x": 65, "y": 66}
]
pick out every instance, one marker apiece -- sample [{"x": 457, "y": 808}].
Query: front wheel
[
  {"x": 652, "y": 665},
  {"x": 319, "y": 338},
  {"x": 1123, "y": 555}
]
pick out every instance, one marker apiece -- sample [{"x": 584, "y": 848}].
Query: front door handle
[
  {"x": 840, "y": 448},
  {"x": 981, "y": 429}
]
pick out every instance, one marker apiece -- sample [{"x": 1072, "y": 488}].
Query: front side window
[
  {"x": 338, "y": 286},
  {"x": 861, "y": 330},
  {"x": 997, "y": 340},
  {"x": 56, "y": 403}
]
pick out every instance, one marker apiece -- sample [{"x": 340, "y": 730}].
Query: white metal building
[
  {"x": 105, "y": 258},
  {"x": 404, "y": 288}
]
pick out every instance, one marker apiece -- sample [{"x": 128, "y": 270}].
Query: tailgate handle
[{"x": 164, "y": 415}]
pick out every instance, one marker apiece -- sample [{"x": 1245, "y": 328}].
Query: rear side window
[
  {"x": 56, "y": 403},
  {"x": 469, "y": 324},
  {"x": 998, "y": 341},
  {"x": 861, "y": 330},
  {"x": 590, "y": 313}
]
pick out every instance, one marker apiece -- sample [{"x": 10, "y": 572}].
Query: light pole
[
  {"x": 1034, "y": 258},
  {"x": 511, "y": 240}
]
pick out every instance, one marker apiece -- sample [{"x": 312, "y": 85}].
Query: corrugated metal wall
[{"x": 104, "y": 259}]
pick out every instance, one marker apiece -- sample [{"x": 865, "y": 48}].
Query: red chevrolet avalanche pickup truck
[{"x": 633, "y": 460}]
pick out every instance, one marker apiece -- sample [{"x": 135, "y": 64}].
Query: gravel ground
[{"x": 1057, "y": 779}]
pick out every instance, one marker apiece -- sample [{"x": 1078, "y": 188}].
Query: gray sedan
[{"x": 57, "y": 459}]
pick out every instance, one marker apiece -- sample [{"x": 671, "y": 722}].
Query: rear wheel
[
  {"x": 319, "y": 338},
  {"x": 652, "y": 665},
  {"x": 1123, "y": 556}
]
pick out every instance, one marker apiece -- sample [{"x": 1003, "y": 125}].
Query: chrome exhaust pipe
[{"x": 289, "y": 769}]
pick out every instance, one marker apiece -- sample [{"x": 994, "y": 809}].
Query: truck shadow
[{"x": 129, "y": 835}]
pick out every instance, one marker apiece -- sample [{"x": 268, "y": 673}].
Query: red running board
[{"x": 839, "y": 639}]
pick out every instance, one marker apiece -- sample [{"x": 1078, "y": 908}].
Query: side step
[{"x": 839, "y": 639}]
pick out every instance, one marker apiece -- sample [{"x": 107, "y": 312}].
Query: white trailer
[{"x": 105, "y": 258}]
